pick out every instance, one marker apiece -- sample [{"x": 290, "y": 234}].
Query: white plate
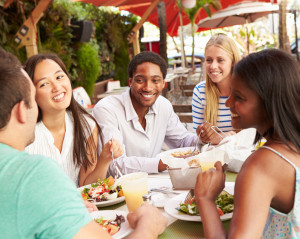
[
  {"x": 104, "y": 203},
  {"x": 111, "y": 214},
  {"x": 174, "y": 203},
  {"x": 167, "y": 154}
]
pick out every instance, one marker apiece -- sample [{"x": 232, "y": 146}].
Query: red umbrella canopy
[{"x": 139, "y": 7}]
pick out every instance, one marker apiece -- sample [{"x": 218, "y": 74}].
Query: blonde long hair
[{"x": 212, "y": 93}]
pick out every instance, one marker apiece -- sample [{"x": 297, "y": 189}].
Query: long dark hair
[
  {"x": 275, "y": 76},
  {"x": 80, "y": 155}
]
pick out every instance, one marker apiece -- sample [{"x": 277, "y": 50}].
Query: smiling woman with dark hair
[
  {"x": 65, "y": 131},
  {"x": 265, "y": 95}
]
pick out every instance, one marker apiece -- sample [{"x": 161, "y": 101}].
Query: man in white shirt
[{"x": 141, "y": 118}]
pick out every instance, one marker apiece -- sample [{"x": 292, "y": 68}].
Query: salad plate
[
  {"x": 110, "y": 202},
  {"x": 103, "y": 193},
  {"x": 104, "y": 203},
  {"x": 125, "y": 228},
  {"x": 174, "y": 203}
]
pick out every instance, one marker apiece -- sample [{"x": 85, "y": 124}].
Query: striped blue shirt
[{"x": 198, "y": 106}]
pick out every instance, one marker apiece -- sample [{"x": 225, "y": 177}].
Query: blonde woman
[{"x": 221, "y": 54}]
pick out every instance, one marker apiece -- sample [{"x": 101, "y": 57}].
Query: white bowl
[{"x": 184, "y": 181}]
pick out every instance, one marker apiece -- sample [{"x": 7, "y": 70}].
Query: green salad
[{"x": 224, "y": 203}]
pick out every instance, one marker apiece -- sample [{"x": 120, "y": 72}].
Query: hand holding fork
[
  {"x": 116, "y": 167},
  {"x": 210, "y": 134}
]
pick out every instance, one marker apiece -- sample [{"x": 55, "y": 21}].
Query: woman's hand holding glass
[{"x": 210, "y": 183}]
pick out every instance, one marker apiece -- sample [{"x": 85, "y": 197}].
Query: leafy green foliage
[
  {"x": 108, "y": 48},
  {"x": 122, "y": 61},
  {"x": 111, "y": 32},
  {"x": 88, "y": 62}
]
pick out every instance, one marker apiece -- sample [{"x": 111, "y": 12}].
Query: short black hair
[
  {"x": 147, "y": 56},
  {"x": 15, "y": 87}
]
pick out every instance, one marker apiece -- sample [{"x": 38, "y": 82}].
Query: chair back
[{"x": 81, "y": 97}]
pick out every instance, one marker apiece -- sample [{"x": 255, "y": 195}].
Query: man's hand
[
  {"x": 147, "y": 221},
  {"x": 162, "y": 166},
  {"x": 90, "y": 206}
]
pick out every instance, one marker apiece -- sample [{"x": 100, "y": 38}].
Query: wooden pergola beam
[
  {"x": 133, "y": 36},
  {"x": 7, "y": 3},
  {"x": 27, "y": 34}
]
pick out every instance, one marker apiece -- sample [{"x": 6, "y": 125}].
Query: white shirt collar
[{"x": 130, "y": 111}]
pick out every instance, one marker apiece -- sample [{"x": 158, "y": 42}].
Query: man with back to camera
[
  {"x": 141, "y": 119},
  {"x": 37, "y": 199}
]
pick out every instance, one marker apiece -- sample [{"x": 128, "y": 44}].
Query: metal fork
[
  {"x": 197, "y": 146},
  {"x": 198, "y": 139},
  {"x": 117, "y": 170},
  {"x": 217, "y": 132},
  {"x": 189, "y": 196},
  {"x": 164, "y": 191}
]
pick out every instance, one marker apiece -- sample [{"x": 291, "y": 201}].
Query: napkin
[
  {"x": 195, "y": 161},
  {"x": 237, "y": 148},
  {"x": 173, "y": 162}
]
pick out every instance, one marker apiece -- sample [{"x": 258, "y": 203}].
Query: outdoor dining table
[{"x": 176, "y": 228}]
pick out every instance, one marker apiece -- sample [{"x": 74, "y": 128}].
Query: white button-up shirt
[
  {"x": 118, "y": 119},
  {"x": 44, "y": 145}
]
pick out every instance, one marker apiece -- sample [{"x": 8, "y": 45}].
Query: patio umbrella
[
  {"x": 139, "y": 7},
  {"x": 238, "y": 14}
]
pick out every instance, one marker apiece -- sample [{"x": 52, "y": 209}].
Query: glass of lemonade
[
  {"x": 206, "y": 164},
  {"x": 135, "y": 186}
]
